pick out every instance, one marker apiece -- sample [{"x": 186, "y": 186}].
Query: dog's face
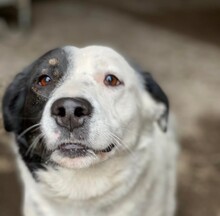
[{"x": 78, "y": 107}]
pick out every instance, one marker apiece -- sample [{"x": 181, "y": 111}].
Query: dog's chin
[{"x": 77, "y": 156}]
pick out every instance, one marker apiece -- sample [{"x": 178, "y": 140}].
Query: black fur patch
[{"x": 24, "y": 102}]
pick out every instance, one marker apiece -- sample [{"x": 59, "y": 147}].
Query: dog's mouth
[{"x": 74, "y": 150}]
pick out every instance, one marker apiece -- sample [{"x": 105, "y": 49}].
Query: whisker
[
  {"x": 92, "y": 154},
  {"x": 34, "y": 144},
  {"x": 120, "y": 143},
  {"x": 117, "y": 141},
  {"x": 121, "y": 126},
  {"x": 28, "y": 129},
  {"x": 44, "y": 148}
]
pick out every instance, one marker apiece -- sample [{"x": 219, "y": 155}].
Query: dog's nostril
[
  {"x": 58, "y": 111},
  {"x": 61, "y": 112},
  {"x": 79, "y": 111}
]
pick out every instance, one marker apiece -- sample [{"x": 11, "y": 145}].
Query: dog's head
[{"x": 78, "y": 107}]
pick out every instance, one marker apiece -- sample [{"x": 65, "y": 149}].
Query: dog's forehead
[
  {"x": 95, "y": 59},
  {"x": 93, "y": 53}
]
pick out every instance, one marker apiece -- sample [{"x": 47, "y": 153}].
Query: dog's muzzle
[{"x": 72, "y": 114}]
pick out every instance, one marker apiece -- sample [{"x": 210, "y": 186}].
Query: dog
[{"x": 93, "y": 136}]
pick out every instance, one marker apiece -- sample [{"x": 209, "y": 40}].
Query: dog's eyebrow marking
[{"x": 53, "y": 61}]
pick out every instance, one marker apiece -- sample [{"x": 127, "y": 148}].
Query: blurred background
[{"x": 177, "y": 41}]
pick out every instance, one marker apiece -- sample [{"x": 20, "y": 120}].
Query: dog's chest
[
  {"x": 142, "y": 199},
  {"x": 136, "y": 203}
]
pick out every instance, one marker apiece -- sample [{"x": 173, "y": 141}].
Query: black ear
[
  {"x": 13, "y": 102},
  {"x": 158, "y": 94}
]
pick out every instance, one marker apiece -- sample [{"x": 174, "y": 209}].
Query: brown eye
[
  {"x": 44, "y": 80},
  {"x": 111, "y": 80}
]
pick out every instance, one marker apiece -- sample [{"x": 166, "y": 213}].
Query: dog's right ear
[
  {"x": 159, "y": 95},
  {"x": 13, "y": 102}
]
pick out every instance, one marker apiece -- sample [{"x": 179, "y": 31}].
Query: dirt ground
[{"x": 180, "y": 48}]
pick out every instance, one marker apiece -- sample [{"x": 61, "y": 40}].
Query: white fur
[{"x": 137, "y": 178}]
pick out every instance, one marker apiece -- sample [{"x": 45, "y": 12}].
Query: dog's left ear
[
  {"x": 158, "y": 94},
  {"x": 13, "y": 102}
]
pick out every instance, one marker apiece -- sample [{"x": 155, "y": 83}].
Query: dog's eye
[
  {"x": 111, "y": 80},
  {"x": 44, "y": 80}
]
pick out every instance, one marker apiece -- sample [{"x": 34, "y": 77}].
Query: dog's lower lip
[
  {"x": 77, "y": 147},
  {"x": 73, "y": 150},
  {"x": 72, "y": 146}
]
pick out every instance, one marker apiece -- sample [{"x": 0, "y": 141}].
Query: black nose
[{"x": 71, "y": 113}]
